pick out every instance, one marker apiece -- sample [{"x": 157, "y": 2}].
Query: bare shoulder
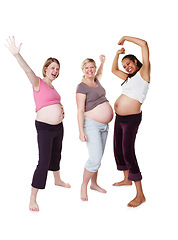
[{"x": 145, "y": 73}]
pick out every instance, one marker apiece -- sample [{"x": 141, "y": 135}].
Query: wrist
[
  {"x": 82, "y": 132},
  {"x": 16, "y": 55}
]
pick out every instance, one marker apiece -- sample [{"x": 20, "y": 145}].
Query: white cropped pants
[{"x": 96, "y": 139}]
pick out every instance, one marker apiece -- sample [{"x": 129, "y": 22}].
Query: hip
[
  {"x": 48, "y": 127},
  {"x": 133, "y": 118},
  {"x": 90, "y": 125}
]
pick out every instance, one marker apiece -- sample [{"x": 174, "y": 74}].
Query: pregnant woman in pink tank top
[{"x": 48, "y": 122}]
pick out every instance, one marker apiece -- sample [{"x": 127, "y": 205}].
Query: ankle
[
  {"x": 84, "y": 185},
  {"x": 32, "y": 199},
  {"x": 140, "y": 195},
  {"x": 94, "y": 183}
]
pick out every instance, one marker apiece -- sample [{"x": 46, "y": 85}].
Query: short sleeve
[{"x": 81, "y": 89}]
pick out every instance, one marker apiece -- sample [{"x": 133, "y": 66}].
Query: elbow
[
  {"x": 113, "y": 71},
  {"x": 144, "y": 43},
  {"x": 80, "y": 112}
]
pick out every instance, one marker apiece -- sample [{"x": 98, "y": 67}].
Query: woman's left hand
[
  {"x": 102, "y": 58},
  {"x": 62, "y": 111}
]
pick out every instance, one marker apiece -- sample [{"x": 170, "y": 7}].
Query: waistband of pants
[
  {"x": 46, "y": 126},
  {"x": 88, "y": 120},
  {"x": 129, "y": 118}
]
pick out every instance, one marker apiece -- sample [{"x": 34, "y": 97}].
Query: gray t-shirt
[{"x": 94, "y": 96}]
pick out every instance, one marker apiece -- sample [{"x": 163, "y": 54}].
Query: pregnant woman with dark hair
[{"x": 129, "y": 115}]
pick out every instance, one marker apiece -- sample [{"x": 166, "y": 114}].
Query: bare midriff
[
  {"x": 50, "y": 114},
  {"x": 125, "y": 105},
  {"x": 102, "y": 113}
]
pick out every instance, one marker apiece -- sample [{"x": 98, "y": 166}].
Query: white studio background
[{"x": 72, "y": 31}]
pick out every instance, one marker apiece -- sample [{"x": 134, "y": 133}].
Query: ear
[{"x": 135, "y": 61}]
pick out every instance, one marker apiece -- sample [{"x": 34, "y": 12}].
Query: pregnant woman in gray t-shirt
[{"x": 94, "y": 114}]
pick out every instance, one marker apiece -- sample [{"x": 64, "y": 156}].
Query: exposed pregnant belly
[
  {"x": 102, "y": 113},
  {"x": 126, "y": 106},
  {"x": 51, "y": 114}
]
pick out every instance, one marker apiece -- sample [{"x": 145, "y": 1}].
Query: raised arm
[
  {"x": 144, "y": 47},
  {"x": 100, "y": 69},
  {"x": 115, "y": 68},
  {"x": 15, "y": 50},
  {"x": 80, "y": 99}
]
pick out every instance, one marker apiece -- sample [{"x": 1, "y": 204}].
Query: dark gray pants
[
  {"x": 125, "y": 131},
  {"x": 50, "y": 145}
]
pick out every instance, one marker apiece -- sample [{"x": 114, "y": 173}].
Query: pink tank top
[{"x": 46, "y": 96}]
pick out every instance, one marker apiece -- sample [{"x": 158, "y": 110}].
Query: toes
[{"x": 136, "y": 202}]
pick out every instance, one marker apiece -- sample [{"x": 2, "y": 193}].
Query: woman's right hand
[
  {"x": 12, "y": 47},
  {"x": 121, "y": 51},
  {"x": 15, "y": 50},
  {"x": 83, "y": 137}
]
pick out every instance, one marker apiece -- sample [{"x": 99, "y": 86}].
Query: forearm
[
  {"x": 15, "y": 50},
  {"x": 115, "y": 68},
  {"x": 138, "y": 41},
  {"x": 100, "y": 69},
  {"x": 22, "y": 63},
  {"x": 80, "y": 117},
  {"x": 115, "y": 63}
]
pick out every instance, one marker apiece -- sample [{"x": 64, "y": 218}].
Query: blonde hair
[
  {"x": 47, "y": 63},
  {"x": 87, "y": 60}
]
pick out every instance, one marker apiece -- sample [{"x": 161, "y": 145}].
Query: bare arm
[
  {"x": 115, "y": 68},
  {"x": 16, "y": 52},
  {"x": 80, "y": 99},
  {"x": 100, "y": 69}
]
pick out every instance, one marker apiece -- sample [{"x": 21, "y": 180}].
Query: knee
[
  {"x": 93, "y": 165},
  {"x": 129, "y": 156}
]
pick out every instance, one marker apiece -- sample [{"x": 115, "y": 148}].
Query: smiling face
[
  {"x": 129, "y": 65},
  {"x": 89, "y": 70},
  {"x": 52, "y": 71}
]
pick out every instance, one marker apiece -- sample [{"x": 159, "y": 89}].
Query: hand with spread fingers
[{"x": 15, "y": 50}]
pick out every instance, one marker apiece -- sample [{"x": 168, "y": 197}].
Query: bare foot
[
  {"x": 138, "y": 200},
  {"x": 125, "y": 182},
  {"x": 97, "y": 188},
  {"x": 62, "y": 184},
  {"x": 84, "y": 196},
  {"x": 33, "y": 206}
]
